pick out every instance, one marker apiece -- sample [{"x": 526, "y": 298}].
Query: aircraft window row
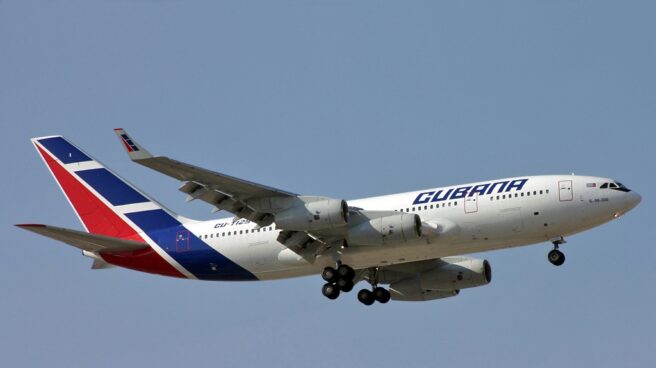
[
  {"x": 233, "y": 233},
  {"x": 520, "y": 194},
  {"x": 427, "y": 207}
]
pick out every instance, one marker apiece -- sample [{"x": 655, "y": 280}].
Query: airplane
[{"x": 414, "y": 243}]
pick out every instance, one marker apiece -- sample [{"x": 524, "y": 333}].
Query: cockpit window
[{"x": 615, "y": 186}]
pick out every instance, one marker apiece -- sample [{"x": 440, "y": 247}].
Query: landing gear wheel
[
  {"x": 556, "y": 257},
  {"x": 345, "y": 272},
  {"x": 330, "y": 291},
  {"x": 366, "y": 297},
  {"x": 382, "y": 295},
  {"x": 329, "y": 274},
  {"x": 344, "y": 285}
]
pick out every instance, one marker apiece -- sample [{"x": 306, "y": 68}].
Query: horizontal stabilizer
[{"x": 84, "y": 240}]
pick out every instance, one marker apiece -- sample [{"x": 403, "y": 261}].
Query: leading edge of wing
[{"x": 239, "y": 188}]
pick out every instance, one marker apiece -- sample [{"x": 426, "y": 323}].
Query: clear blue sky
[{"x": 344, "y": 99}]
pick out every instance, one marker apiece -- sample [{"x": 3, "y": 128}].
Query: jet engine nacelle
[
  {"x": 318, "y": 215},
  {"x": 394, "y": 229},
  {"x": 444, "y": 280},
  {"x": 455, "y": 273}
]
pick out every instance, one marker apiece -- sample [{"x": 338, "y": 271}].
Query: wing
[
  {"x": 309, "y": 225},
  {"x": 83, "y": 240},
  {"x": 240, "y": 197}
]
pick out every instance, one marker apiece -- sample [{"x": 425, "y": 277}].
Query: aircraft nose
[{"x": 633, "y": 200}]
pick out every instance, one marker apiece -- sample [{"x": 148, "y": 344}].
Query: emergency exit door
[{"x": 565, "y": 192}]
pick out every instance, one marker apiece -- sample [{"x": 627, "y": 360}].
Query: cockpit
[{"x": 615, "y": 186}]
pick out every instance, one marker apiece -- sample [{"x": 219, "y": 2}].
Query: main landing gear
[
  {"x": 337, "y": 280},
  {"x": 555, "y": 256},
  {"x": 342, "y": 278},
  {"x": 378, "y": 294}
]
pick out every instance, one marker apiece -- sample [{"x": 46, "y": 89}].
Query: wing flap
[{"x": 83, "y": 240}]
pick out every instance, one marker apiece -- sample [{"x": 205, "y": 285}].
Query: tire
[
  {"x": 382, "y": 295},
  {"x": 329, "y": 274},
  {"x": 556, "y": 257},
  {"x": 345, "y": 272},
  {"x": 344, "y": 285},
  {"x": 366, "y": 297},
  {"x": 330, "y": 291}
]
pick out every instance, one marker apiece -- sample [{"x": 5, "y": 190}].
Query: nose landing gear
[{"x": 555, "y": 256}]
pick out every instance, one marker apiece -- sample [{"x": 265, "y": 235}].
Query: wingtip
[
  {"x": 23, "y": 226},
  {"x": 134, "y": 149}
]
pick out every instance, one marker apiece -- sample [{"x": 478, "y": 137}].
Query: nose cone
[{"x": 632, "y": 200}]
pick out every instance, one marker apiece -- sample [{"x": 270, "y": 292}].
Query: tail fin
[{"x": 99, "y": 197}]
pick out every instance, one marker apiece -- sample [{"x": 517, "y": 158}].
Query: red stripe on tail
[{"x": 98, "y": 218}]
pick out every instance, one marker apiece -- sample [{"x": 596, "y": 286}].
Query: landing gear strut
[
  {"x": 377, "y": 294},
  {"x": 555, "y": 256}
]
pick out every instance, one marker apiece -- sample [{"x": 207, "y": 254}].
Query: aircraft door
[
  {"x": 471, "y": 204},
  {"x": 565, "y": 190}
]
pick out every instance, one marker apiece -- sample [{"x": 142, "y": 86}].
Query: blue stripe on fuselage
[
  {"x": 187, "y": 249},
  {"x": 111, "y": 187},
  {"x": 64, "y": 151}
]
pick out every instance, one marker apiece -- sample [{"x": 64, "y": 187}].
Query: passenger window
[
  {"x": 270, "y": 227},
  {"x": 246, "y": 231},
  {"x": 547, "y": 191},
  {"x": 522, "y": 194},
  {"x": 528, "y": 194},
  {"x": 541, "y": 192},
  {"x": 535, "y": 192},
  {"x": 504, "y": 196},
  {"x": 222, "y": 234},
  {"x": 431, "y": 206},
  {"x": 455, "y": 203},
  {"x": 516, "y": 195},
  {"x": 425, "y": 207},
  {"x": 241, "y": 231}
]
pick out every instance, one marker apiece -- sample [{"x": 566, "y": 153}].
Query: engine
[
  {"x": 318, "y": 215},
  {"x": 457, "y": 273},
  {"x": 395, "y": 229},
  {"x": 443, "y": 279}
]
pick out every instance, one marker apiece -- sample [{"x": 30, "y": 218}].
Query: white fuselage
[{"x": 546, "y": 208}]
